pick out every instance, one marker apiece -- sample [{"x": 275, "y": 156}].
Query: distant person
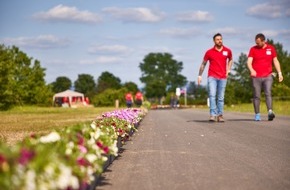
[
  {"x": 173, "y": 100},
  {"x": 138, "y": 99},
  {"x": 260, "y": 60},
  {"x": 220, "y": 60},
  {"x": 129, "y": 100}
]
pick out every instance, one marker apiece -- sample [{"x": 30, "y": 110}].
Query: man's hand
[
  {"x": 199, "y": 78},
  {"x": 253, "y": 73},
  {"x": 280, "y": 76}
]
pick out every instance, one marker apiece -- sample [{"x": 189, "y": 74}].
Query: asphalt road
[{"x": 180, "y": 149}]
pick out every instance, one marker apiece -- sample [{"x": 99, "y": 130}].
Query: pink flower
[
  {"x": 83, "y": 149},
  {"x": 99, "y": 144},
  {"x": 25, "y": 156},
  {"x": 83, "y": 162},
  {"x": 2, "y": 159},
  {"x": 106, "y": 149}
]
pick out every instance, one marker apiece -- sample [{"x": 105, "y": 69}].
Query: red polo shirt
[
  {"x": 218, "y": 62},
  {"x": 262, "y": 59}
]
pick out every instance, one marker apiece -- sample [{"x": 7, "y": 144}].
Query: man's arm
[
  {"x": 229, "y": 66},
  {"x": 250, "y": 67},
  {"x": 201, "y": 69},
  {"x": 278, "y": 68}
]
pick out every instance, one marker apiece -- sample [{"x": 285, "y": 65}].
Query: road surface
[{"x": 180, "y": 149}]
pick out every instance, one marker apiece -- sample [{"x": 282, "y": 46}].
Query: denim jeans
[{"x": 216, "y": 93}]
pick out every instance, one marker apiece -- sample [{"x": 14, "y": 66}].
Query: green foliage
[
  {"x": 106, "y": 81},
  {"x": 284, "y": 59},
  {"x": 131, "y": 86},
  {"x": 21, "y": 79},
  {"x": 161, "y": 74},
  {"x": 109, "y": 96},
  {"x": 196, "y": 95},
  {"x": 239, "y": 87},
  {"x": 86, "y": 85},
  {"x": 61, "y": 83}
]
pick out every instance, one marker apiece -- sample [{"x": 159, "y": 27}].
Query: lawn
[
  {"x": 279, "y": 107},
  {"x": 19, "y": 122}
]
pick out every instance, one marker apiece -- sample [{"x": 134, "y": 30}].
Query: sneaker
[
  {"x": 220, "y": 118},
  {"x": 212, "y": 118},
  {"x": 257, "y": 117},
  {"x": 271, "y": 116}
]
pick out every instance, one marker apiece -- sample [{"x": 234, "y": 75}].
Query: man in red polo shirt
[
  {"x": 260, "y": 59},
  {"x": 129, "y": 100},
  {"x": 220, "y": 59},
  {"x": 138, "y": 98}
]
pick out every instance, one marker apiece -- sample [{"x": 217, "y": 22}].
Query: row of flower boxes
[{"x": 68, "y": 159}]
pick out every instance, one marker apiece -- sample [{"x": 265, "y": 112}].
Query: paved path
[{"x": 180, "y": 149}]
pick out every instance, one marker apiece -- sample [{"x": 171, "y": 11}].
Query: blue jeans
[{"x": 216, "y": 93}]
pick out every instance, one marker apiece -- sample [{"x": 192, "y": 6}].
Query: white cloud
[
  {"x": 228, "y": 31},
  {"x": 276, "y": 33},
  {"x": 181, "y": 32},
  {"x": 102, "y": 60},
  {"x": 108, "y": 49},
  {"x": 265, "y": 10},
  {"x": 196, "y": 16},
  {"x": 135, "y": 14},
  {"x": 42, "y": 42},
  {"x": 65, "y": 13}
]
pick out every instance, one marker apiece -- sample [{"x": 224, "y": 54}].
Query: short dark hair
[
  {"x": 217, "y": 34},
  {"x": 261, "y": 36}
]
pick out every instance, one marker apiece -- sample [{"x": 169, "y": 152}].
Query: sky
[{"x": 72, "y": 37}]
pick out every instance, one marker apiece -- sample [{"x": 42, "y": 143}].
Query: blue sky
[{"x": 72, "y": 37}]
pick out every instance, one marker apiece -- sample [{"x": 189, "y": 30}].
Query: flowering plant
[{"x": 66, "y": 159}]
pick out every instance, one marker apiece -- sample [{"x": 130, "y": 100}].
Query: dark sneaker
[
  {"x": 212, "y": 118},
  {"x": 220, "y": 118},
  {"x": 257, "y": 117},
  {"x": 271, "y": 116}
]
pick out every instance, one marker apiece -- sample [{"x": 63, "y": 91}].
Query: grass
[
  {"x": 20, "y": 122},
  {"x": 279, "y": 107}
]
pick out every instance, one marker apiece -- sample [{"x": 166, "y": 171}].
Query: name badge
[
  {"x": 268, "y": 53},
  {"x": 225, "y": 53}
]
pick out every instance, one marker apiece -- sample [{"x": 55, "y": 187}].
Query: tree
[
  {"x": 131, "y": 86},
  {"x": 108, "y": 80},
  {"x": 239, "y": 87},
  {"x": 284, "y": 59},
  {"x": 197, "y": 92},
  {"x": 61, "y": 83},
  {"x": 86, "y": 85},
  {"x": 161, "y": 74},
  {"x": 21, "y": 79}
]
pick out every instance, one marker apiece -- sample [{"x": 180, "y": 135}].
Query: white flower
[
  {"x": 51, "y": 137},
  {"x": 97, "y": 133},
  {"x": 68, "y": 151},
  {"x": 65, "y": 178},
  {"x": 91, "y": 157},
  {"x": 30, "y": 180},
  {"x": 93, "y": 125}
]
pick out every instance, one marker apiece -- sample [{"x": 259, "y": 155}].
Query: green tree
[
  {"x": 161, "y": 74},
  {"x": 109, "y": 96},
  {"x": 197, "y": 93},
  {"x": 86, "y": 85},
  {"x": 284, "y": 59},
  {"x": 239, "y": 87},
  {"x": 107, "y": 80},
  {"x": 21, "y": 79},
  {"x": 131, "y": 86},
  {"x": 61, "y": 83}
]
